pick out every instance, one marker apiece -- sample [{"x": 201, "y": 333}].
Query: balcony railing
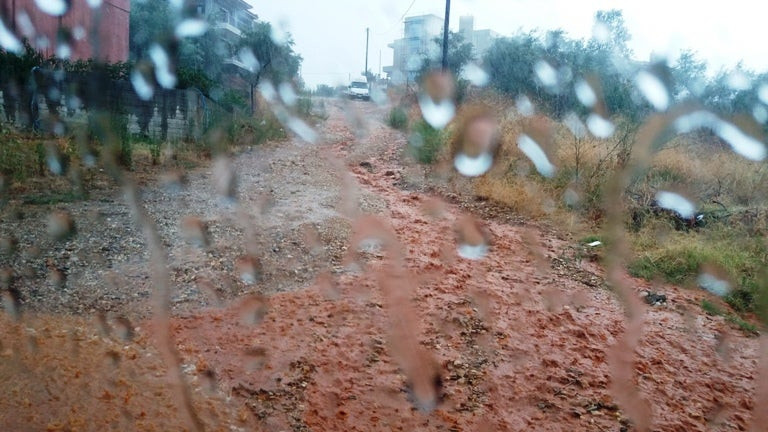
[
  {"x": 228, "y": 27},
  {"x": 235, "y": 62}
]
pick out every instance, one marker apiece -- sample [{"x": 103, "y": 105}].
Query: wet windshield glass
[{"x": 383, "y": 215}]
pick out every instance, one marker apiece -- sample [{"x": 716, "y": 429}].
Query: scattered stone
[
  {"x": 655, "y": 299},
  {"x": 367, "y": 165}
]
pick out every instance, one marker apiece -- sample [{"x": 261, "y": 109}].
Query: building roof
[
  {"x": 421, "y": 17},
  {"x": 236, "y": 4}
]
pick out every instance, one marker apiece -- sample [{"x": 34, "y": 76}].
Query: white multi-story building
[
  {"x": 231, "y": 19},
  {"x": 419, "y": 43},
  {"x": 481, "y": 40}
]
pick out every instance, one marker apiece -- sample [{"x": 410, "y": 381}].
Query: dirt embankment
[{"x": 365, "y": 312}]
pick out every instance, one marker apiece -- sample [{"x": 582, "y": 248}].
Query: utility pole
[
  {"x": 367, "y": 31},
  {"x": 445, "y": 34}
]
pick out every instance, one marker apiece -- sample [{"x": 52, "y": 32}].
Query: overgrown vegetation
[
  {"x": 397, "y": 118},
  {"x": 20, "y": 158},
  {"x": 726, "y": 188},
  {"x": 679, "y": 257},
  {"x": 425, "y": 142},
  {"x": 714, "y": 310},
  {"x": 252, "y": 131}
]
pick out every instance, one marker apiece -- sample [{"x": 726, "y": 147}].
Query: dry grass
[{"x": 715, "y": 179}]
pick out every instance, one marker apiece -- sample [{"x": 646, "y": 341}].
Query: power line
[{"x": 398, "y": 21}]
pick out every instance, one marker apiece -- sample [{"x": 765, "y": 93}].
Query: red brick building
[{"x": 110, "y": 22}]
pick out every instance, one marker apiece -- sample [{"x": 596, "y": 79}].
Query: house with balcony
[
  {"x": 419, "y": 42},
  {"x": 230, "y": 20}
]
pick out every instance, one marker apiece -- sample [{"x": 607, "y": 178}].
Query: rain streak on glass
[
  {"x": 25, "y": 24},
  {"x": 473, "y": 166},
  {"x": 524, "y": 106},
  {"x": 437, "y": 114},
  {"x": 536, "y": 154},
  {"x": 63, "y": 51},
  {"x": 79, "y": 33},
  {"x": 479, "y": 142},
  {"x": 302, "y": 129},
  {"x": 472, "y": 240},
  {"x": 575, "y": 125},
  {"x": 601, "y": 32},
  {"x": 546, "y": 74},
  {"x": 741, "y": 143},
  {"x": 760, "y": 113},
  {"x": 9, "y": 41},
  {"x": 599, "y": 126},
  {"x": 54, "y": 7},
  {"x": 279, "y": 34},
  {"x": 268, "y": 91},
  {"x": 436, "y": 101},
  {"x": 677, "y": 203},
  {"x": 287, "y": 94},
  {"x": 475, "y": 74},
  {"x": 714, "y": 284},
  {"x": 143, "y": 87},
  {"x": 653, "y": 90},
  {"x": 585, "y": 93},
  {"x": 738, "y": 80},
  {"x": 191, "y": 27},
  {"x": 249, "y": 59},
  {"x": 165, "y": 77},
  {"x": 762, "y": 93}
]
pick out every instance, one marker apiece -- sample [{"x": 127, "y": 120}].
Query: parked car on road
[{"x": 359, "y": 89}]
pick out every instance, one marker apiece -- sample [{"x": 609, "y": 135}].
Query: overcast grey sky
[{"x": 330, "y": 34}]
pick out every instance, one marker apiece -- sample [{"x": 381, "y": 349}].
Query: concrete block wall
[{"x": 171, "y": 115}]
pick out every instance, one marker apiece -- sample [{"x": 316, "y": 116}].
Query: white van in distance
[{"x": 358, "y": 89}]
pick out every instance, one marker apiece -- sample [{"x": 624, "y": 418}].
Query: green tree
[
  {"x": 688, "y": 75},
  {"x": 198, "y": 60},
  {"x": 459, "y": 55},
  {"x": 509, "y": 63},
  {"x": 277, "y": 62},
  {"x": 618, "y": 36},
  {"x": 150, "y": 22}
]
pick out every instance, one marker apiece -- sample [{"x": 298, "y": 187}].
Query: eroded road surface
[{"x": 364, "y": 317}]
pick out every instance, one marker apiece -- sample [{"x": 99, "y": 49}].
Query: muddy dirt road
[{"x": 364, "y": 313}]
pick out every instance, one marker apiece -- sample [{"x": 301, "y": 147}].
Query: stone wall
[{"x": 172, "y": 115}]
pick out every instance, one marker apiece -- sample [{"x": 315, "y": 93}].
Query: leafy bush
[
  {"x": 111, "y": 131},
  {"x": 426, "y": 142},
  {"x": 194, "y": 78},
  {"x": 397, "y": 118},
  {"x": 20, "y": 159},
  {"x": 304, "y": 107},
  {"x": 679, "y": 258},
  {"x": 233, "y": 99},
  {"x": 253, "y": 131}
]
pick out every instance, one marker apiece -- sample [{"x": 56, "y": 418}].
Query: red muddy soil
[{"x": 513, "y": 341}]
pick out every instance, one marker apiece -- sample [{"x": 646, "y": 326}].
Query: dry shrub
[
  {"x": 520, "y": 195},
  {"x": 710, "y": 175}
]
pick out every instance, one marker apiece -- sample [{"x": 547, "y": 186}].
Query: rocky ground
[{"x": 351, "y": 311}]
